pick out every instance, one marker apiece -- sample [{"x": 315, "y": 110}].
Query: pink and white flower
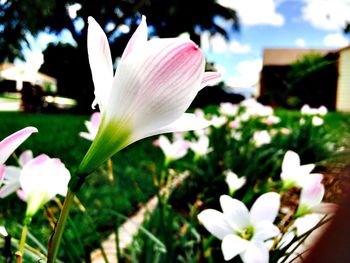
[
  {"x": 295, "y": 174},
  {"x": 200, "y": 147},
  {"x": 92, "y": 126},
  {"x": 37, "y": 181},
  {"x": 244, "y": 232},
  {"x": 233, "y": 181},
  {"x": 311, "y": 200},
  {"x": 155, "y": 82}
]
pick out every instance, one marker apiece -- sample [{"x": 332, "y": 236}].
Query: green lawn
[{"x": 58, "y": 137}]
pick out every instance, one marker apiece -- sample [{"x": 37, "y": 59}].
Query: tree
[{"x": 167, "y": 18}]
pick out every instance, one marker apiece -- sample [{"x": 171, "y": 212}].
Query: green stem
[
  {"x": 22, "y": 242},
  {"x": 57, "y": 235}
]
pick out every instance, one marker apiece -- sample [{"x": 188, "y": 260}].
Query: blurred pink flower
[
  {"x": 92, "y": 126},
  {"x": 173, "y": 151},
  {"x": 37, "y": 181}
]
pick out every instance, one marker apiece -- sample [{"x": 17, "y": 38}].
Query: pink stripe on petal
[
  {"x": 210, "y": 78},
  {"x": 10, "y": 143}
]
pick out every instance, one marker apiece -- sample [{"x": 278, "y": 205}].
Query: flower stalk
[{"x": 55, "y": 240}]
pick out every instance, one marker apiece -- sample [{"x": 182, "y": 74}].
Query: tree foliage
[{"x": 166, "y": 18}]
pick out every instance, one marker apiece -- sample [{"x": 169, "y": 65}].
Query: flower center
[{"x": 247, "y": 233}]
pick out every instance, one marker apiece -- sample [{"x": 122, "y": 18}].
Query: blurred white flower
[
  {"x": 242, "y": 232},
  {"x": 218, "y": 121},
  {"x": 233, "y": 181},
  {"x": 3, "y": 231},
  {"x": 295, "y": 174},
  {"x": 228, "y": 109},
  {"x": 200, "y": 147},
  {"x": 173, "y": 151},
  {"x": 271, "y": 120},
  {"x": 317, "y": 121},
  {"x": 307, "y": 110},
  {"x": 92, "y": 126},
  {"x": 40, "y": 179},
  {"x": 255, "y": 109},
  {"x": 235, "y": 124},
  {"x": 261, "y": 137}
]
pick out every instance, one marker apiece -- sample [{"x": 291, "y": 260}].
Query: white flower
[
  {"x": 233, "y": 181},
  {"x": 294, "y": 174},
  {"x": 317, "y": 121},
  {"x": 311, "y": 200},
  {"x": 218, "y": 121},
  {"x": 200, "y": 147},
  {"x": 228, "y": 109},
  {"x": 173, "y": 151},
  {"x": 92, "y": 126},
  {"x": 242, "y": 232},
  {"x": 154, "y": 84},
  {"x": 40, "y": 179},
  {"x": 261, "y": 137}
]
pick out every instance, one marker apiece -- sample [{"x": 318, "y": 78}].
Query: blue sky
[
  {"x": 264, "y": 24},
  {"x": 276, "y": 23}
]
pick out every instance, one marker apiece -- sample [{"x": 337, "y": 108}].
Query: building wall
[{"x": 343, "y": 90}]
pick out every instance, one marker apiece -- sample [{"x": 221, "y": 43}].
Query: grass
[
  {"x": 58, "y": 137},
  {"x": 134, "y": 169}
]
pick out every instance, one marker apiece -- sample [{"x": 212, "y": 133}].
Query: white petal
[
  {"x": 232, "y": 246},
  {"x": 235, "y": 211},
  {"x": 10, "y": 181},
  {"x": 100, "y": 60},
  {"x": 215, "y": 223},
  {"x": 265, "y": 208},
  {"x": 137, "y": 41},
  {"x": 290, "y": 161},
  {"x": 25, "y": 157},
  {"x": 265, "y": 230},
  {"x": 187, "y": 122},
  {"x": 256, "y": 252}
]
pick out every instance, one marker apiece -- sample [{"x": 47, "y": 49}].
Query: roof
[{"x": 286, "y": 56}]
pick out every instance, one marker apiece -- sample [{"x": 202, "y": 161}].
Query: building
[{"x": 329, "y": 86}]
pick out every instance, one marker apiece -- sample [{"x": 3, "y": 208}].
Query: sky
[{"x": 263, "y": 24}]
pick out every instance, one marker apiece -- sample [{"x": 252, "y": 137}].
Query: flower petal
[
  {"x": 215, "y": 223},
  {"x": 159, "y": 86},
  {"x": 10, "y": 143},
  {"x": 256, "y": 252},
  {"x": 265, "y": 230},
  {"x": 325, "y": 208},
  {"x": 210, "y": 78},
  {"x": 235, "y": 212},
  {"x": 312, "y": 194},
  {"x": 265, "y": 208},
  {"x": 138, "y": 39},
  {"x": 290, "y": 161},
  {"x": 232, "y": 246},
  {"x": 25, "y": 157},
  {"x": 100, "y": 60},
  {"x": 10, "y": 181},
  {"x": 187, "y": 122}
]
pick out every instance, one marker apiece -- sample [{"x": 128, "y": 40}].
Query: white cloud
[
  {"x": 335, "y": 40},
  {"x": 218, "y": 44},
  {"x": 326, "y": 14},
  {"x": 300, "y": 42},
  {"x": 236, "y": 47},
  {"x": 248, "y": 74},
  {"x": 255, "y": 12}
]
